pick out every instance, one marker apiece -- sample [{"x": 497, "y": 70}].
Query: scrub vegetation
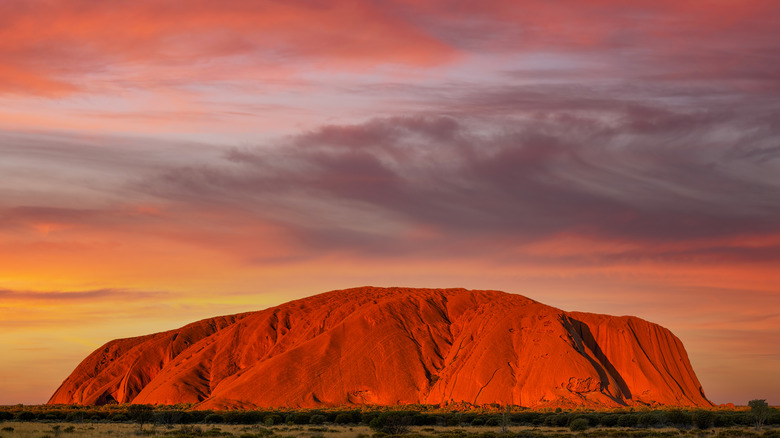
[{"x": 412, "y": 421}]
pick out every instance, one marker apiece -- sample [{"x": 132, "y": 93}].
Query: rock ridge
[{"x": 395, "y": 346}]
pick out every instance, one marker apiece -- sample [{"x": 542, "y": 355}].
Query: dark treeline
[{"x": 421, "y": 416}]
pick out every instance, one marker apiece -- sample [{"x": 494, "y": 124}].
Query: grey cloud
[
  {"x": 650, "y": 174},
  {"x": 498, "y": 169}
]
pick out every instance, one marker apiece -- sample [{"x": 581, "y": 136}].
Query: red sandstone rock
[{"x": 395, "y": 346}]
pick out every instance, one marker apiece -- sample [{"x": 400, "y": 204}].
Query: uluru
[{"x": 395, "y": 346}]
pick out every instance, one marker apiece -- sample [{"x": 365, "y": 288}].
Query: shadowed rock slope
[{"x": 395, "y": 346}]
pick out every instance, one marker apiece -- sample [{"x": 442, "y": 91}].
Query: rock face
[{"x": 395, "y": 346}]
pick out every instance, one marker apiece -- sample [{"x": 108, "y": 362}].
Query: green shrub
[
  {"x": 593, "y": 418},
  {"x": 344, "y": 418},
  {"x": 214, "y": 418},
  {"x": 356, "y": 416},
  {"x": 419, "y": 419},
  {"x": 74, "y": 417},
  {"x": 743, "y": 418},
  {"x": 392, "y": 423},
  {"x": 760, "y": 411},
  {"x": 25, "y": 416},
  {"x": 52, "y": 416},
  {"x": 527, "y": 418},
  {"x": 646, "y": 419},
  {"x": 557, "y": 420},
  {"x": 376, "y": 423},
  {"x": 366, "y": 417},
  {"x": 722, "y": 420},
  {"x": 562, "y": 420},
  {"x": 493, "y": 421},
  {"x": 301, "y": 418},
  {"x": 272, "y": 419},
  {"x": 608, "y": 420},
  {"x": 678, "y": 418},
  {"x": 703, "y": 419},
  {"x": 141, "y": 414},
  {"x": 478, "y": 421},
  {"x": 317, "y": 419},
  {"x": 626, "y": 420},
  {"x": 465, "y": 418},
  {"x": 579, "y": 424},
  {"x": 453, "y": 419},
  {"x": 234, "y": 417}
]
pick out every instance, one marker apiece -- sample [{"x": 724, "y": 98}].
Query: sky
[{"x": 163, "y": 162}]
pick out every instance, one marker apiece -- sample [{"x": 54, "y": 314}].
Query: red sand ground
[{"x": 395, "y": 346}]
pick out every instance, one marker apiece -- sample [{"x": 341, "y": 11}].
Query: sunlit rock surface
[{"x": 395, "y": 346}]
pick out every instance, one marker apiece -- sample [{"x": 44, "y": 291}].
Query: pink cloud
[
  {"x": 56, "y": 48},
  {"x": 52, "y": 48}
]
